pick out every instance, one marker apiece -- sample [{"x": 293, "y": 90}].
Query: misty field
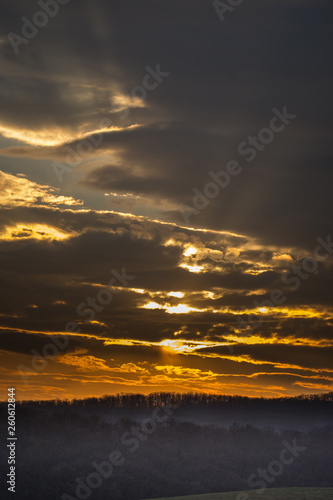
[
  {"x": 272, "y": 494},
  {"x": 199, "y": 444}
]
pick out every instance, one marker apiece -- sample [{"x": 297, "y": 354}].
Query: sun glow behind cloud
[
  {"x": 192, "y": 269},
  {"x": 34, "y": 231},
  {"x": 179, "y": 309},
  {"x": 186, "y": 346},
  {"x": 17, "y": 190},
  {"x": 57, "y": 136}
]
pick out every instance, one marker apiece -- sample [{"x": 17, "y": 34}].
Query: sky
[{"x": 166, "y": 197}]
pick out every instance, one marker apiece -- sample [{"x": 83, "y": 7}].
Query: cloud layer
[{"x": 114, "y": 117}]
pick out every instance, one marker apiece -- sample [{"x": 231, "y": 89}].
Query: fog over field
[{"x": 134, "y": 447}]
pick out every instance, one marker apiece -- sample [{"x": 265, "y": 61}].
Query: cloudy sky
[{"x": 166, "y": 197}]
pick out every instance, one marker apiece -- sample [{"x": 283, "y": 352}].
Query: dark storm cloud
[
  {"x": 304, "y": 356},
  {"x": 90, "y": 255},
  {"x": 25, "y": 343},
  {"x": 100, "y": 242},
  {"x": 225, "y": 78}
]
